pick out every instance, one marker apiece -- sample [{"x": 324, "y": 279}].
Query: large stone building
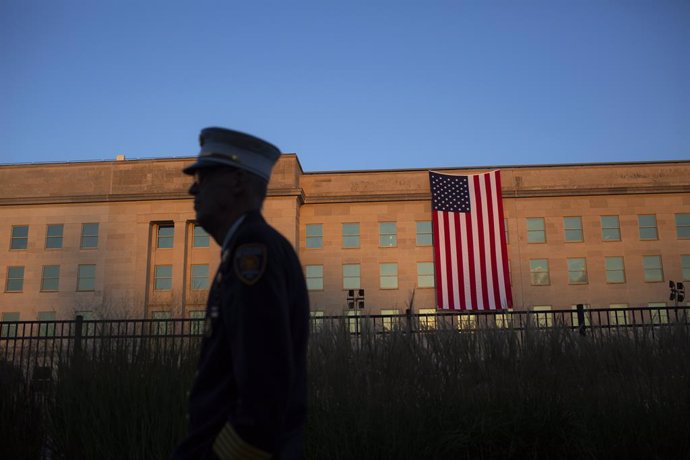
[{"x": 117, "y": 238}]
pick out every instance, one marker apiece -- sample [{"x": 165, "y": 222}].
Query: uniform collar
[{"x": 231, "y": 232}]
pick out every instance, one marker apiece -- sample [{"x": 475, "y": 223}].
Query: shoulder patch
[{"x": 250, "y": 262}]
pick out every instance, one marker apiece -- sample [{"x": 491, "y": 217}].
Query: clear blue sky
[{"x": 348, "y": 84}]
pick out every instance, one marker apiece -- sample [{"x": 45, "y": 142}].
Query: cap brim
[{"x": 208, "y": 162}]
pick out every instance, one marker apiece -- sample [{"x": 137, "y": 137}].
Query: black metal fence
[
  {"x": 34, "y": 348},
  {"x": 584, "y": 320}
]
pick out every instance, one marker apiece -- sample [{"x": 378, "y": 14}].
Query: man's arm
[{"x": 256, "y": 322}]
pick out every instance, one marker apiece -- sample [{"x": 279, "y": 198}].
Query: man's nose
[{"x": 194, "y": 189}]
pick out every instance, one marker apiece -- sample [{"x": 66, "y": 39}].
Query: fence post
[
  {"x": 408, "y": 314},
  {"x": 581, "y": 318},
  {"x": 78, "y": 328}
]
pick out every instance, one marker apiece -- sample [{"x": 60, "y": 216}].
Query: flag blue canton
[{"x": 450, "y": 193}]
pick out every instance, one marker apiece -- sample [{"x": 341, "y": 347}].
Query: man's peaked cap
[{"x": 226, "y": 147}]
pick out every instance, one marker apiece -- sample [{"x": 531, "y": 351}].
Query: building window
[
  {"x": 351, "y": 276},
  {"x": 20, "y": 237},
  {"x": 685, "y": 268},
  {"x": 166, "y": 235},
  {"x": 200, "y": 238},
  {"x": 424, "y": 237},
  {"x": 388, "y": 234},
  {"x": 162, "y": 325},
  {"x": 573, "y": 228},
  {"x": 88, "y": 329},
  {"x": 89, "y": 236},
  {"x": 683, "y": 225},
  {"x": 314, "y": 236},
  {"x": 535, "y": 230},
  {"x": 539, "y": 272},
  {"x": 653, "y": 270},
  {"x": 199, "y": 277},
  {"x": 574, "y": 319},
  {"x": 610, "y": 228},
  {"x": 316, "y": 317},
  {"x": 541, "y": 318},
  {"x": 615, "y": 269},
  {"x": 314, "y": 276},
  {"x": 162, "y": 277},
  {"x": 9, "y": 330},
  {"x": 504, "y": 320},
  {"x": 647, "y": 224},
  {"x": 658, "y": 312},
  {"x": 196, "y": 325},
  {"x": 390, "y": 319},
  {"x": 577, "y": 271},
  {"x": 50, "y": 278},
  {"x": 47, "y": 326},
  {"x": 467, "y": 322},
  {"x": 355, "y": 322},
  {"x": 15, "y": 279},
  {"x": 618, "y": 316},
  {"x": 54, "y": 236},
  {"x": 350, "y": 235},
  {"x": 388, "y": 276},
  {"x": 86, "y": 278},
  {"x": 425, "y": 274},
  {"x": 427, "y": 318}
]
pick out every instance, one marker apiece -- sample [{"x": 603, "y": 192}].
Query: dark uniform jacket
[{"x": 248, "y": 399}]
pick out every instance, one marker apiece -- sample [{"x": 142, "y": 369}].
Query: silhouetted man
[{"x": 248, "y": 399}]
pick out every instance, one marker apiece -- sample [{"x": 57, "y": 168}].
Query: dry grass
[
  {"x": 444, "y": 394},
  {"x": 497, "y": 394}
]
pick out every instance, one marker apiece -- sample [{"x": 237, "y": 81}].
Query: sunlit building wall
[{"x": 118, "y": 239}]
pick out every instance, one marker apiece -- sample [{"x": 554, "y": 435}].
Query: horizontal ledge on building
[
  {"x": 363, "y": 198},
  {"x": 298, "y": 193},
  {"x": 596, "y": 191},
  {"x": 369, "y": 198}
]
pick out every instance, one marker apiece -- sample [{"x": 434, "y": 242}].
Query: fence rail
[{"x": 33, "y": 349}]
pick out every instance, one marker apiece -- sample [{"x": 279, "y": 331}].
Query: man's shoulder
[{"x": 258, "y": 231}]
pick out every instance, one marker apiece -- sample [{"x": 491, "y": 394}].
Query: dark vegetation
[{"x": 484, "y": 394}]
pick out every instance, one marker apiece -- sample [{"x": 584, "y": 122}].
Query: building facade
[{"x": 117, "y": 238}]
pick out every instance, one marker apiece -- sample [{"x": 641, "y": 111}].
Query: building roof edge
[{"x": 346, "y": 171}]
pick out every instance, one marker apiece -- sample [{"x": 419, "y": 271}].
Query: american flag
[{"x": 471, "y": 258}]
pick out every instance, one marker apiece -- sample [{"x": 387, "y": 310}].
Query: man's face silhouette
[{"x": 215, "y": 192}]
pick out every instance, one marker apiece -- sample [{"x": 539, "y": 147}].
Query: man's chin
[{"x": 202, "y": 221}]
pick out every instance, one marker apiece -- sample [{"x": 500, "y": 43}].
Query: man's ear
[{"x": 239, "y": 185}]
